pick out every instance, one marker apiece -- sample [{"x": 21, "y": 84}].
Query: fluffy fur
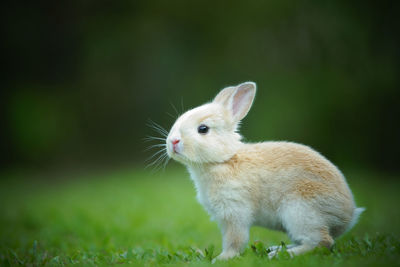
[{"x": 279, "y": 185}]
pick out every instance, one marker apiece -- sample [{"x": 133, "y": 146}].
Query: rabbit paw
[
  {"x": 272, "y": 254},
  {"x": 225, "y": 255},
  {"x": 274, "y": 250}
]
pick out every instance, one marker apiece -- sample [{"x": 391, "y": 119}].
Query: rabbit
[{"x": 278, "y": 185}]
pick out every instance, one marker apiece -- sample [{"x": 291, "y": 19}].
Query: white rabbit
[{"x": 280, "y": 185}]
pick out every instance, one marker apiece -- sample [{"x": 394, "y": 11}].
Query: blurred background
[{"x": 81, "y": 79}]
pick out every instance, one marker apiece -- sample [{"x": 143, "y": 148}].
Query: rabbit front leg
[{"x": 235, "y": 235}]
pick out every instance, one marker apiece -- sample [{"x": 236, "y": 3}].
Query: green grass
[{"x": 141, "y": 218}]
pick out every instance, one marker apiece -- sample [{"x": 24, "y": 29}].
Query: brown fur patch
[
  {"x": 309, "y": 174},
  {"x": 326, "y": 239},
  {"x": 309, "y": 189},
  {"x": 277, "y": 156}
]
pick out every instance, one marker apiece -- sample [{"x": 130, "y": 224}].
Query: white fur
[{"x": 279, "y": 185}]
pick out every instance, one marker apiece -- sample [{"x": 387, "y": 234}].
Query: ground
[{"x": 139, "y": 217}]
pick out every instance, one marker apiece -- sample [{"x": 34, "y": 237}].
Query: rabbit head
[{"x": 208, "y": 133}]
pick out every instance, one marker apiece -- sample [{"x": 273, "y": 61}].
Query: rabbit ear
[
  {"x": 237, "y": 99},
  {"x": 242, "y": 100},
  {"x": 224, "y": 95}
]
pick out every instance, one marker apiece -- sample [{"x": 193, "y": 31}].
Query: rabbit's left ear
[
  {"x": 237, "y": 100},
  {"x": 224, "y": 96}
]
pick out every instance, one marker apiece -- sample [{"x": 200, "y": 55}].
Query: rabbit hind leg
[{"x": 305, "y": 227}]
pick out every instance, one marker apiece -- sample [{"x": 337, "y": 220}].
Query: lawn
[{"x": 142, "y": 218}]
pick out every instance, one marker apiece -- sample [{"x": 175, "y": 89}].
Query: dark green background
[{"x": 80, "y": 79}]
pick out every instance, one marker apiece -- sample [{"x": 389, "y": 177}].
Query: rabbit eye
[{"x": 203, "y": 129}]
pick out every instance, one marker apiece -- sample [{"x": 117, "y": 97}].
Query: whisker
[
  {"x": 161, "y": 131},
  {"x": 160, "y": 158},
  {"x": 155, "y": 146},
  {"x": 161, "y": 161},
  {"x": 177, "y": 113},
  {"x": 157, "y": 153},
  {"x": 158, "y": 145},
  {"x": 169, "y": 114},
  {"x": 151, "y": 138},
  {"x": 166, "y": 162},
  {"x": 158, "y": 126},
  {"x": 157, "y": 162}
]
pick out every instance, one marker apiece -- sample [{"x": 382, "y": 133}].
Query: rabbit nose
[
  {"x": 175, "y": 141},
  {"x": 175, "y": 144}
]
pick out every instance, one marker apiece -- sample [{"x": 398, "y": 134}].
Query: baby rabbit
[{"x": 280, "y": 185}]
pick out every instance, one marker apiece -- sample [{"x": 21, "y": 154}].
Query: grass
[{"x": 141, "y": 218}]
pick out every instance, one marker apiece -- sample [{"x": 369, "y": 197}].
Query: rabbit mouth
[
  {"x": 176, "y": 153},
  {"x": 175, "y": 150},
  {"x": 179, "y": 156}
]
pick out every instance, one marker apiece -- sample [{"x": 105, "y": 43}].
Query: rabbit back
[{"x": 265, "y": 180}]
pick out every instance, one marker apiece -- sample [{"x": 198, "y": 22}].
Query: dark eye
[{"x": 203, "y": 129}]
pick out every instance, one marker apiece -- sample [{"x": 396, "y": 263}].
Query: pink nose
[{"x": 175, "y": 141}]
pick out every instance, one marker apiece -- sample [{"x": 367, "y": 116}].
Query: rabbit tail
[{"x": 356, "y": 215}]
